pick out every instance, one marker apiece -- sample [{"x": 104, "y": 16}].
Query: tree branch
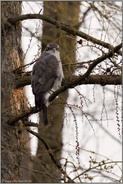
[
  {"x": 30, "y": 124},
  {"x": 30, "y": 111},
  {"x": 62, "y": 26},
  {"x": 22, "y": 81},
  {"x": 50, "y": 152}
]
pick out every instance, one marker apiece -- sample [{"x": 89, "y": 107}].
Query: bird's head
[{"x": 52, "y": 48}]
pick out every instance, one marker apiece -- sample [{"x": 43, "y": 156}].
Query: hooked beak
[{"x": 54, "y": 49}]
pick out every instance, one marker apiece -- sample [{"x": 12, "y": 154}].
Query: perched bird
[{"x": 47, "y": 75}]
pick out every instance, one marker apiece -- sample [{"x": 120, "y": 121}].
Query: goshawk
[{"x": 47, "y": 75}]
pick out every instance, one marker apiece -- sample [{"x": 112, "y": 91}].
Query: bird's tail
[
  {"x": 45, "y": 114},
  {"x": 39, "y": 102}
]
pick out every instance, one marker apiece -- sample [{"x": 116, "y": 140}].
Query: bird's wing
[{"x": 44, "y": 74}]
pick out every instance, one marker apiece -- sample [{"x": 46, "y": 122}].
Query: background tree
[
  {"x": 103, "y": 67},
  {"x": 69, "y": 12}
]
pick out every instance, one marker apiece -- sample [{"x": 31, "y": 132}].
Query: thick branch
[
  {"x": 50, "y": 152},
  {"x": 22, "y": 81},
  {"x": 62, "y": 26},
  {"x": 30, "y": 124},
  {"x": 30, "y": 111},
  {"x": 92, "y": 79}
]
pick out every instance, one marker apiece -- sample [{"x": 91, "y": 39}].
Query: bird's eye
[
  {"x": 47, "y": 48},
  {"x": 57, "y": 48}
]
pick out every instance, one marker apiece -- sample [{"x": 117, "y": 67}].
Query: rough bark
[
  {"x": 67, "y": 12},
  {"x": 13, "y": 143}
]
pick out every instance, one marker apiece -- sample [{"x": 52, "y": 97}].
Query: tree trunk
[
  {"x": 14, "y": 145},
  {"x": 68, "y": 12}
]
